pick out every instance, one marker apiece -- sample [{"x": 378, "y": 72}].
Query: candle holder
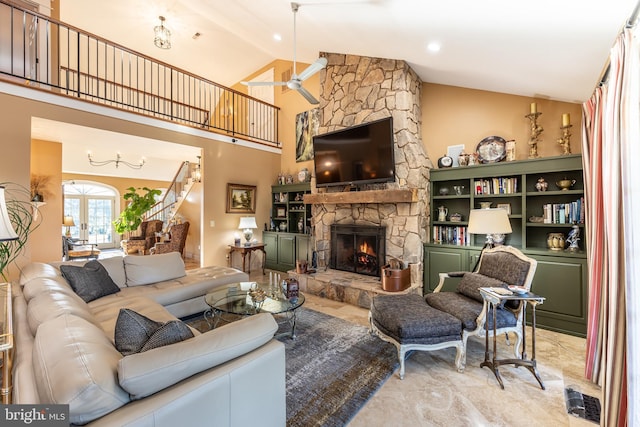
[
  {"x": 536, "y": 131},
  {"x": 565, "y": 141}
]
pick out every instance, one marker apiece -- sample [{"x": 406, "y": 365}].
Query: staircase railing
[
  {"x": 47, "y": 54},
  {"x": 163, "y": 209}
]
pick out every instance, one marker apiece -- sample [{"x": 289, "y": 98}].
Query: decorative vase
[
  {"x": 555, "y": 241},
  {"x": 565, "y": 184},
  {"x": 542, "y": 185},
  {"x": 463, "y": 159},
  {"x": 442, "y": 213},
  {"x": 485, "y": 205}
]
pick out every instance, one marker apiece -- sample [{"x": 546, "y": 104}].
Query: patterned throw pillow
[
  {"x": 90, "y": 282},
  {"x": 135, "y": 333}
]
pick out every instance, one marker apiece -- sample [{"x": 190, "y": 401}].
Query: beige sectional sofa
[{"x": 65, "y": 351}]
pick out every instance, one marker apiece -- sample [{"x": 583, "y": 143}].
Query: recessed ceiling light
[
  {"x": 434, "y": 47},
  {"x": 277, "y": 37}
]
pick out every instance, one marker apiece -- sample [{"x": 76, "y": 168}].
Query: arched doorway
[{"x": 93, "y": 206}]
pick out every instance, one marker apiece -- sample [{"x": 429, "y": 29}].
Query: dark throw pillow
[
  {"x": 471, "y": 282},
  {"x": 90, "y": 281},
  {"x": 135, "y": 333}
]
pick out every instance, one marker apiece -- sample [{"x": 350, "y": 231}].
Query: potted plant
[
  {"x": 39, "y": 185},
  {"x": 131, "y": 217},
  {"x": 19, "y": 212}
]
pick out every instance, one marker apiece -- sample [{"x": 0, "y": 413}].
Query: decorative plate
[{"x": 492, "y": 149}]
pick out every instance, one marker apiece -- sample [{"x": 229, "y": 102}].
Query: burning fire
[{"x": 366, "y": 249}]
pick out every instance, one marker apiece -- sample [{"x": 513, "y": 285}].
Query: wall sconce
[
  {"x": 247, "y": 224},
  {"x": 197, "y": 173},
  {"x": 163, "y": 35},
  {"x": 67, "y": 221}
]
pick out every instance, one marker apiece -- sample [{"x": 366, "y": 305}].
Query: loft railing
[{"x": 48, "y": 54}]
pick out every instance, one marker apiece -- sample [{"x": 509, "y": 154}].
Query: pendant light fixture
[{"x": 163, "y": 35}]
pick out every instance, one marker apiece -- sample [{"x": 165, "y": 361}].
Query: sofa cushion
[
  {"x": 136, "y": 333},
  {"x": 467, "y": 309},
  {"x": 91, "y": 281},
  {"x": 143, "y": 270},
  {"x": 35, "y": 270},
  {"x": 36, "y": 286},
  {"x": 115, "y": 268},
  {"x": 505, "y": 267},
  {"x": 142, "y": 374},
  {"x": 471, "y": 283},
  {"x": 76, "y": 364},
  {"x": 49, "y": 304}
]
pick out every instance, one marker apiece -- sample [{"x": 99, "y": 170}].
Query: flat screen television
[{"x": 361, "y": 154}]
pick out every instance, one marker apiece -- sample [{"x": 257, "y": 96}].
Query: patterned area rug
[{"x": 333, "y": 368}]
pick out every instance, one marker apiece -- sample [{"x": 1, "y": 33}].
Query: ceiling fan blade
[
  {"x": 318, "y": 65},
  {"x": 264, "y": 83},
  {"x": 307, "y": 95}
]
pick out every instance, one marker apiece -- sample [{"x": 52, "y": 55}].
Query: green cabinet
[
  {"x": 561, "y": 276},
  {"x": 288, "y": 240}
]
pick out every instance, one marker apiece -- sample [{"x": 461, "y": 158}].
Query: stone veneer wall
[{"x": 355, "y": 90}]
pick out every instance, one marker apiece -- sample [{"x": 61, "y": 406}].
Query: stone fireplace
[
  {"x": 355, "y": 90},
  {"x": 357, "y": 248}
]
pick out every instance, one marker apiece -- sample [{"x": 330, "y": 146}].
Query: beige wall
[
  {"x": 222, "y": 163},
  {"x": 46, "y": 160},
  {"x": 291, "y": 103},
  {"x": 458, "y": 116}
]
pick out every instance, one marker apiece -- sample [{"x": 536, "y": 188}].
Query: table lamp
[
  {"x": 491, "y": 222},
  {"x": 67, "y": 221},
  {"x": 247, "y": 224},
  {"x": 6, "y": 228}
]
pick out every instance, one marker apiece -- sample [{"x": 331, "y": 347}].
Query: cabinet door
[
  {"x": 443, "y": 260},
  {"x": 271, "y": 248},
  {"x": 563, "y": 282},
  {"x": 286, "y": 251},
  {"x": 303, "y": 249}
]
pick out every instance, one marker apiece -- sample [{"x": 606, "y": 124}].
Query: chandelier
[
  {"x": 163, "y": 35},
  {"x": 118, "y": 160}
]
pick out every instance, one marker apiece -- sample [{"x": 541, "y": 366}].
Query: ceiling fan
[{"x": 296, "y": 80}]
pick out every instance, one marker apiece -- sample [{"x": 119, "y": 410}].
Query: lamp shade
[
  {"x": 489, "y": 221},
  {"x": 247, "y": 222},
  {"x": 68, "y": 221},
  {"x": 6, "y": 229}
]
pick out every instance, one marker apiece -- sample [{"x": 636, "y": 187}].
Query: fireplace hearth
[{"x": 357, "y": 248}]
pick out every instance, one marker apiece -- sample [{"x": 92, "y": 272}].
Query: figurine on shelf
[{"x": 573, "y": 238}]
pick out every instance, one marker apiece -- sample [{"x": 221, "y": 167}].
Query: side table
[
  {"x": 494, "y": 298},
  {"x": 246, "y": 250}
]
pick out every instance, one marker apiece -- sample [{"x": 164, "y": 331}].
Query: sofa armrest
[
  {"x": 142, "y": 374},
  {"x": 444, "y": 276}
]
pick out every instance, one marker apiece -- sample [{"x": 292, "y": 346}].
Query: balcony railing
[{"x": 52, "y": 55}]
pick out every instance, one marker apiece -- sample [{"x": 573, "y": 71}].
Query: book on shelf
[
  {"x": 496, "y": 186},
  {"x": 451, "y": 235},
  {"x": 564, "y": 213}
]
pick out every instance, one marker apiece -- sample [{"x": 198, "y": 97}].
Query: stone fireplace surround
[{"x": 355, "y": 90}]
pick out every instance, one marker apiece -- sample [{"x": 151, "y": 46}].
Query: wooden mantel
[{"x": 407, "y": 195}]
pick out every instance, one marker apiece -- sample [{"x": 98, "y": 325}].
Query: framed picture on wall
[
  {"x": 241, "y": 198},
  {"x": 307, "y": 124}
]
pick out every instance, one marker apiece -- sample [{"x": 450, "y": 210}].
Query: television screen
[{"x": 356, "y": 155}]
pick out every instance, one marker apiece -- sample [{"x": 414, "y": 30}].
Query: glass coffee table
[{"x": 243, "y": 299}]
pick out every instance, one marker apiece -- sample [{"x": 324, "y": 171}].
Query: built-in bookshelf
[{"x": 561, "y": 275}]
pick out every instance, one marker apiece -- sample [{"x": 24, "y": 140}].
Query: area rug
[{"x": 333, "y": 368}]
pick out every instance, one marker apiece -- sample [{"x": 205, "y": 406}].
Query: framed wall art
[
  {"x": 505, "y": 206},
  {"x": 241, "y": 198},
  {"x": 307, "y": 124}
]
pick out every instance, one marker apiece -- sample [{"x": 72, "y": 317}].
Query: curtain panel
[{"x": 611, "y": 146}]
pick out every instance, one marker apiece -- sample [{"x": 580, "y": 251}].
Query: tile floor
[{"x": 433, "y": 393}]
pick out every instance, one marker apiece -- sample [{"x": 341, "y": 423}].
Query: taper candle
[
  {"x": 534, "y": 108},
  {"x": 566, "y": 121}
]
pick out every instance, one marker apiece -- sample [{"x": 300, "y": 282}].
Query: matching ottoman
[{"x": 409, "y": 323}]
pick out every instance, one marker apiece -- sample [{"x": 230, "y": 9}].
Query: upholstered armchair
[
  {"x": 145, "y": 240},
  {"x": 176, "y": 242}
]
